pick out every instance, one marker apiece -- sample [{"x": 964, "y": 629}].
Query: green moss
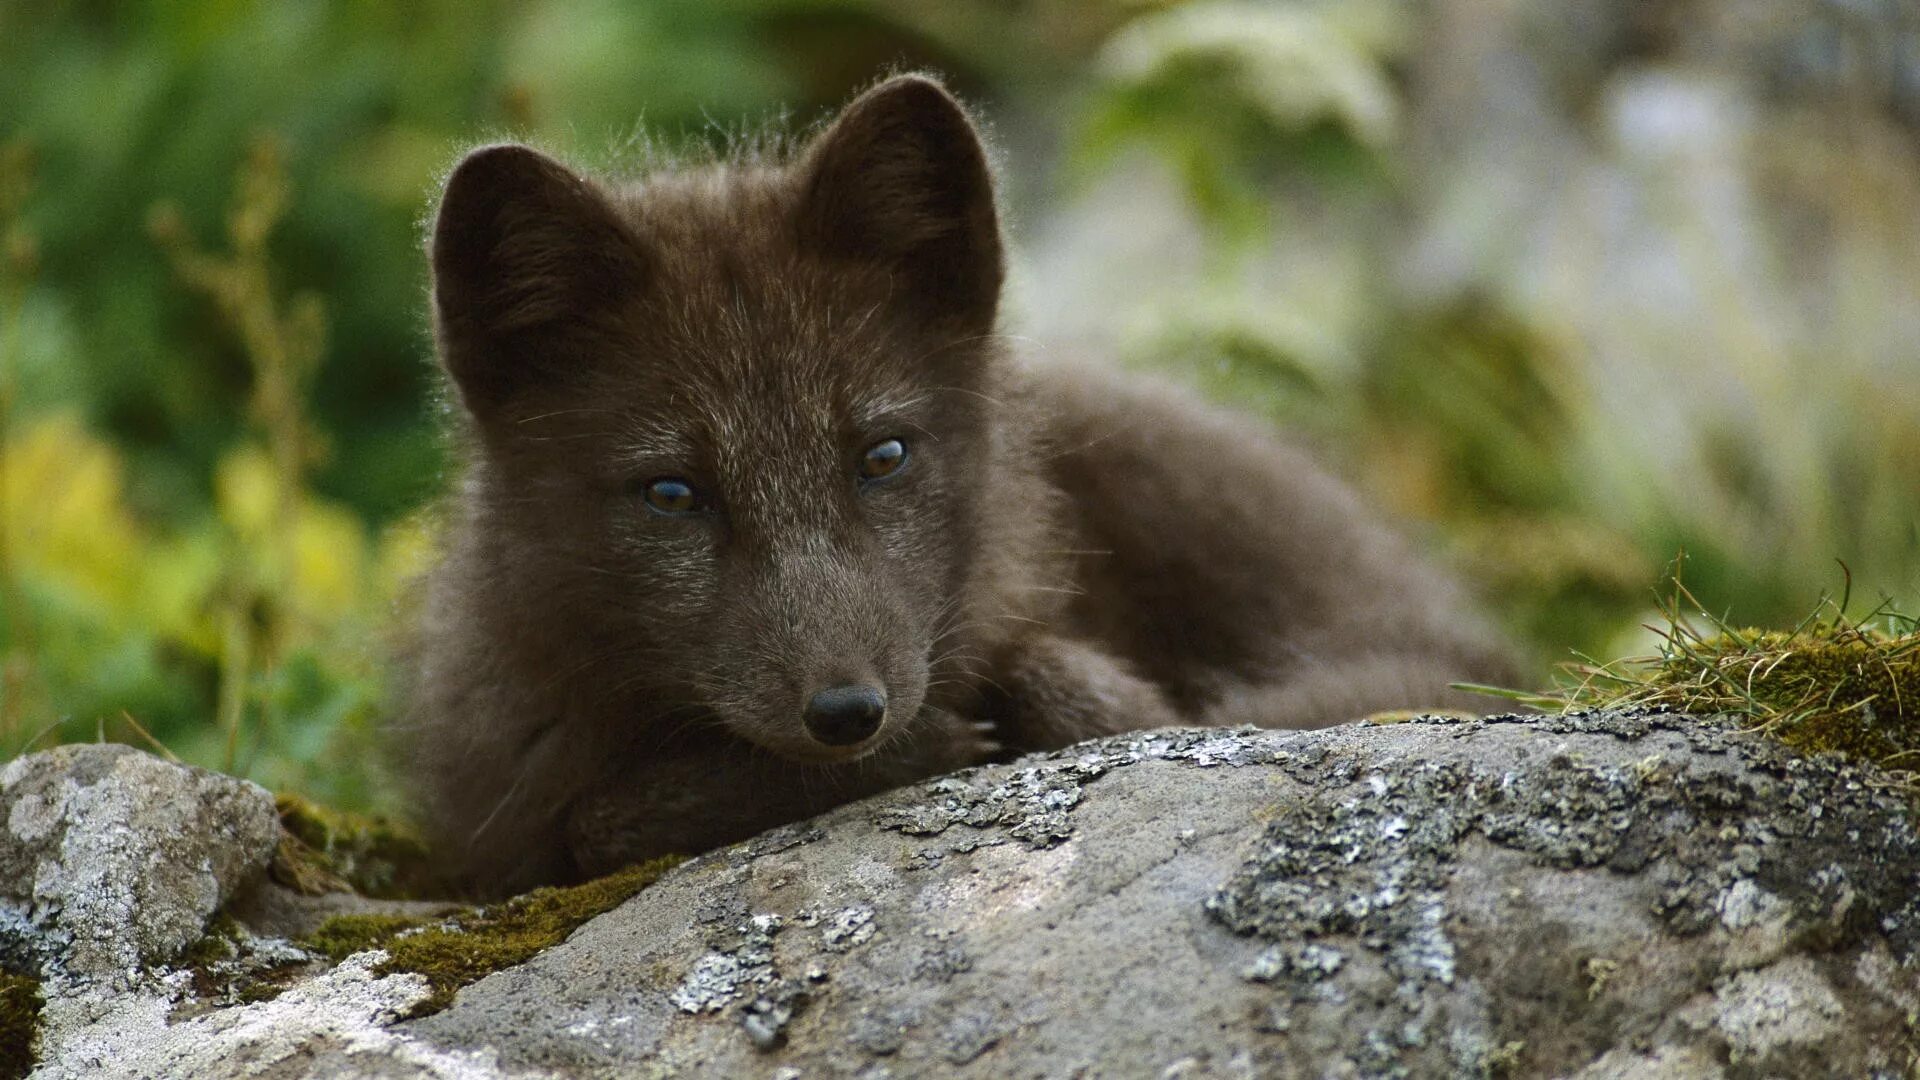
[
  {"x": 1827, "y": 685},
  {"x": 1820, "y": 688},
  {"x": 456, "y": 951},
  {"x": 19, "y": 1024},
  {"x": 344, "y": 935},
  {"x": 328, "y": 849},
  {"x": 1854, "y": 693},
  {"x": 220, "y": 942}
]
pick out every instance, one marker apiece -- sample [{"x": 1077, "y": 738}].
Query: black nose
[{"x": 844, "y": 715}]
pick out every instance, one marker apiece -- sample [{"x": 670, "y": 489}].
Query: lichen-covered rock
[
  {"x": 112, "y": 860},
  {"x": 332, "y": 1025},
  {"x": 1632, "y": 895},
  {"x": 1600, "y": 895}
]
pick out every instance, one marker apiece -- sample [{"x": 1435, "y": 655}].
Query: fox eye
[
  {"x": 670, "y": 495},
  {"x": 883, "y": 459}
]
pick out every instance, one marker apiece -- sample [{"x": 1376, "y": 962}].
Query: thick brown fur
[{"x": 1064, "y": 554}]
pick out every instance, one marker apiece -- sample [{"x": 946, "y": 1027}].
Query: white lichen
[
  {"x": 343, "y": 1014},
  {"x": 1788, "y": 1004}
]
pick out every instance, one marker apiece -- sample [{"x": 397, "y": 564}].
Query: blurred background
[{"x": 1568, "y": 288}]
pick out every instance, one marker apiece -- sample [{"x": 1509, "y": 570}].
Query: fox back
[{"x": 758, "y": 515}]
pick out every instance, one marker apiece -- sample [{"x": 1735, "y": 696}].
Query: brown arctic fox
[{"x": 760, "y": 515}]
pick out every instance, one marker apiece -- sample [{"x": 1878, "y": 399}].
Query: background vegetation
[{"x": 1570, "y": 292}]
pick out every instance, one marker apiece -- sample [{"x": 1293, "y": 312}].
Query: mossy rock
[
  {"x": 465, "y": 948},
  {"x": 1826, "y": 686},
  {"x": 1819, "y": 689},
  {"x": 329, "y": 850},
  {"x": 19, "y": 1024}
]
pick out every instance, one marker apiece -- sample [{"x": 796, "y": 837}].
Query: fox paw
[
  {"x": 984, "y": 742},
  {"x": 980, "y": 742}
]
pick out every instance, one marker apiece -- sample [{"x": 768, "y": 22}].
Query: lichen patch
[
  {"x": 1786, "y": 1005},
  {"x": 1031, "y": 804},
  {"x": 741, "y": 959},
  {"x": 322, "y": 1026},
  {"x": 850, "y": 926},
  {"x": 1362, "y": 871}
]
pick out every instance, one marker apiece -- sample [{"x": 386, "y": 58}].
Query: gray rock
[
  {"x": 1601, "y": 895},
  {"x": 1531, "y": 897},
  {"x": 112, "y": 860}
]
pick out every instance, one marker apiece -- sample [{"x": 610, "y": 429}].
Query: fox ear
[
  {"x": 526, "y": 257},
  {"x": 901, "y": 179}
]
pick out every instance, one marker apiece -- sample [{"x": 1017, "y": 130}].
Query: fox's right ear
[{"x": 526, "y": 257}]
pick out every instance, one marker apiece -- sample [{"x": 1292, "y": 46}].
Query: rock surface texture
[
  {"x": 112, "y": 860},
  {"x": 1597, "y": 895}
]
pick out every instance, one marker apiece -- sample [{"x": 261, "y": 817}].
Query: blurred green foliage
[{"x": 219, "y": 427}]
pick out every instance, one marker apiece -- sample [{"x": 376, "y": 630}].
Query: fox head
[{"x": 732, "y": 426}]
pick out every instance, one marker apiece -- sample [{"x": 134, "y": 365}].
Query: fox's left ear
[{"x": 901, "y": 178}]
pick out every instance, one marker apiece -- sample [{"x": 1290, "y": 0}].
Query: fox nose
[{"x": 844, "y": 715}]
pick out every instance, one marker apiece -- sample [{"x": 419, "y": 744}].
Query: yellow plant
[
  {"x": 319, "y": 573},
  {"x": 62, "y": 499}
]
